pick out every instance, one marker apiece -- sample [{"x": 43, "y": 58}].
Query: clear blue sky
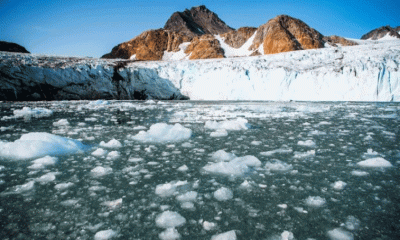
[{"x": 93, "y": 28}]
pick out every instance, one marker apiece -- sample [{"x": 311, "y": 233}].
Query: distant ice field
[{"x": 199, "y": 170}]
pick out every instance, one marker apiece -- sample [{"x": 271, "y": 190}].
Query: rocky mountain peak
[
  {"x": 382, "y": 32},
  {"x": 196, "y": 21}
]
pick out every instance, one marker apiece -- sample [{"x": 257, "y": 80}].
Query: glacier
[{"x": 367, "y": 72}]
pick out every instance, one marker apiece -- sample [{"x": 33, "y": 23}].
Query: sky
[{"x": 92, "y": 28}]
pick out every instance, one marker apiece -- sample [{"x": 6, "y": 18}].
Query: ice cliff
[{"x": 368, "y": 72}]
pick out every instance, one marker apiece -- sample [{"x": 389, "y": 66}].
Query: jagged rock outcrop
[
  {"x": 149, "y": 45},
  {"x": 204, "y": 47},
  {"x": 236, "y": 38},
  {"x": 12, "y": 47},
  {"x": 196, "y": 21},
  {"x": 381, "y": 32},
  {"x": 284, "y": 33},
  {"x": 334, "y": 40}
]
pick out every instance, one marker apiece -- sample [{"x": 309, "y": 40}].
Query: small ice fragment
[
  {"x": 221, "y": 155},
  {"x": 101, "y": 171},
  {"x": 208, "y": 226},
  {"x": 61, "y": 122},
  {"x": 63, "y": 186},
  {"x": 283, "y": 206},
  {"x": 307, "y": 154},
  {"x": 187, "y": 197},
  {"x": 99, "y": 152},
  {"x": 42, "y": 162},
  {"x": 359, "y": 173},
  {"x": 162, "y": 132},
  {"x": 277, "y": 165},
  {"x": 113, "y": 155},
  {"x": 223, "y": 194},
  {"x": 231, "y": 235},
  {"x": 169, "y": 234},
  {"x": 219, "y": 133},
  {"x": 315, "y": 201},
  {"x": 236, "y": 167},
  {"x": 339, "y": 185},
  {"x": 255, "y": 143},
  {"x": 105, "y": 234},
  {"x": 307, "y": 143},
  {"x": 113, "y": 204},
  {"x": 113, "y": 143},
  {"x": 70, "y": 202},
  {"x": 352, "y": 223},
  {"x": 188, "y": 205},
  {"x": 48, "y": 177},
  {"x": 377, "y": 162},
  {"x": 133, "y": 159},
  {"x": 286, "y": 235},
  {"x": 24, "y": 187},
  {"x": 186, "y": 145},
  {"x": 340, "y": 234},
  {"x": 183, "y": 168},
  {"x": 169, "y": 189},
  {"x": 27, "y": 113},
  {"x": 169, "y": 219},
  {"x": 238, "y": 124}
]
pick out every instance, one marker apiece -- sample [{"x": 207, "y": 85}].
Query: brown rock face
[
  {"x": 149, "y": 45},
  {"x": 204, "y": 47},
  {"x": 284, "y": 33},
  {"x": 334, "y": 40},
  {"x": 382, "y": 32},
  {"x": 196, "y": 21},
  {"x": 236, "y": 38},
  {"x": 12, "y": 47}
]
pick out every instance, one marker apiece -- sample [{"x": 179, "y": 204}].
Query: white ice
[
  {"x": 231, "y": 235},
  {"x": 339, "y": 234},
  {"x": 162, "y": 133},
  {"x": 113, "y": 143},
  {"x": 27, "y": 113},
  {"x": 169, "y": 234},
  {"x": 39, "y": 144},
  {"x": 170, "y": 219},
  {"x": 99, "y": 152},
  {"x": 307, "y": 143},
  {"x": 169, "y": 189},
  {"x": 100, "y": 171},
  {"x": 223, "y": 194},
  {"x": 238, "y": 124},
  {"x": 278, "y": 166},
  {"x": 339, "y": 185},
  {"x": 43, "y": 162},
  {"x": 105, "y": 235},
  {"x": 377, "y": 162},
  {"x": 235, "y": 167},
  {"x": 315, "y": 201},
  {"x": 61, "y": 123}
]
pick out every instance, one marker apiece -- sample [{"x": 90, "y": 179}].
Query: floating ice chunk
[
  {"x": 39, "y": 144},
  {"x": 234, "y": 125},
  {"x": 256, "y": 143},
  {"x": 169, "y": 234},
  {"x": 188, "y": 205},
  {"x": 340, "y": 234},
  {"x": 352, "y": 223},
  {"x": 307, "y": 154},
  {"x": 70, "y": 202},
  {"x": 277, "y": 165},
  {"x": 183, "y": 168},
  {"x": 162, "y": 132},
  {"x": 377, "y": 162},
  {"x": 231, "y": 235},
  {"x": 339, "y": 185},
  {"x": 280, "y": 150},
  {"x": 133, "y": 159},
  {"x": 48, "y": 177},
  {"x": 27, "y": 113},
  {"x": 208, "y": 226},
  {"x": 99, "y": 102},
  {"x": 140, "y": 128},
  {"x": 43, "y": 162},
  {"x": 63, "y": 186},
  {"x": 187, "y": 197},
  {"x": 359, "y": 173},
  {"x": 283, "y": 206},
  {"x": 222, "y": 156},
  {"x": 61, "y": 123},
  {"x": 315, "y": 201},
  {"x": 187, "y": 145},
  {"x": 113, "y": 204},
  {"x": 113, "y": 155},
  {"x": 219, "y": 133},
  {"x": 100, "y": 171},
  {"x": 169, "y": 189},
  {"x": 99, "y": 152},
  {"x": 236, "y": 167},
  {"x": 105, "y": 235},
  {"x": 223, "y": 194},
  {"x": 113, "y": 143},
  {"x": 307, "y": 143},
  {"x": 169, "y": 219},
  {"x": 24, "y": 188},
  {"x": 370, "y": 153},
  {"x": 286, "y": 235}
]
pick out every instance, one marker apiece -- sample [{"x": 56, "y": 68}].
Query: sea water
[{"x": 199, "y": 170}]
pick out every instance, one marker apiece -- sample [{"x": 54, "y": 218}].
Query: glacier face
[{"x": 368, "y": 72}]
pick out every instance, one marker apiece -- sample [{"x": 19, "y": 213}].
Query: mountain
[
  {"x": 383, "y": 33},
  {"x": 199, "y": 33},
  {"x": 12, "y": 47}
]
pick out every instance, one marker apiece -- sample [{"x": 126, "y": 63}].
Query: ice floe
[
  {"x": 377, "y": 162},
  {"x": 233, "y": 125},
  {"x": 231, "y": 235},
  {"x": 315, "y": 201},
  {"x": 169, "y": 219},
  {"x": 28, "y": 113},
  {"x": 235, "y": 167},
  {"x": 105, "y": 234},
  {"x": 162, "y": 133},
  {"x": 223, "y": 194}
]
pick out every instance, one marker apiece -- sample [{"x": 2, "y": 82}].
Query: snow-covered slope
[{"x": 368, "y": 72}]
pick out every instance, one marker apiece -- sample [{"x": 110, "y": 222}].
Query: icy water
[{"x": 221, "y": 170}]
